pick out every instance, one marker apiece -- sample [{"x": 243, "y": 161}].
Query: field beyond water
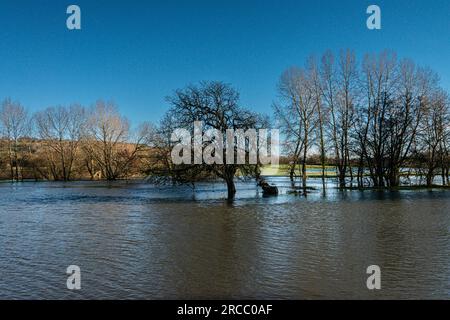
[{"x": 313, "y": 171}]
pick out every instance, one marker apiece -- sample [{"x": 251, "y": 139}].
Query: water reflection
[{"x": 141, "y": 241}]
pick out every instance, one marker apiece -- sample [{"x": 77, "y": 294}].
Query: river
[{"x": 139, "y": 241}]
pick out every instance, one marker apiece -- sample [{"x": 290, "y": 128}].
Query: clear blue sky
[{"x": 137, "y": 52}]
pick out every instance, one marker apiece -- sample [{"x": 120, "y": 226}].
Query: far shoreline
[{"x": 144, "y": 180}]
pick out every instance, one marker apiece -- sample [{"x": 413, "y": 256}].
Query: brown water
[{"x": 138, "y": 241}]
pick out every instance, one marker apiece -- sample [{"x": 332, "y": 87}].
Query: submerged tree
[
  {"x": 387, "y": 117},
  {"x": 60, "y": 130},
  {"x": 397, "y": 96},
  {"x": 216, "y": 105},
  {"x": 321, "y": 111},
  {"x": 432, "y": 138},
  {"x": 109, "y": 143},
  {"x": 296, "y": 116},
  {"x": 378, "y": 117},
  {"x": 15, "y": 126}
]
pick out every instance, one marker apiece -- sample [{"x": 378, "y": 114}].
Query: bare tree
[
  {"x": 380, "y": 85},
  {"x": 15, "y": 125},
  {"x": 296, "y": 114},
  {"x": 371, "y": 117},
  {"x": 321, "y": 110},
  {"x": 216, "y": 105},
  {"x": 108, "y": 142},
  {"x": 339, "y": 84},
  {"x": 159, "y": 161},
  {"x": 432, "y": 134},
  {"x": 60, "y": 130}
]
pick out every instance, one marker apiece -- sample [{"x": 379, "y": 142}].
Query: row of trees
[
  {"x": 217, "y": 106},
  {"x": 65, "y": 143},
  {"x": 380, "y": 118},
  {"x": 374, "y": 120}
]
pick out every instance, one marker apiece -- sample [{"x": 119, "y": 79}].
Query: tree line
[
  {"x": 375, "y": 120},
  {"x": 67, "y": 143},
  {"x": 381, "y": 118}
]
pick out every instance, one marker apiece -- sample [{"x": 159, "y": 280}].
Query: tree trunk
[
  {"x": 231, "y": 188},
  {"x": 292, "y": 175},
  {"x": 341, "y": 177},
  {"x": 304, "y": 176},
  {"x": 394, "y": 179},
  {"x": 430, "y": 178}
]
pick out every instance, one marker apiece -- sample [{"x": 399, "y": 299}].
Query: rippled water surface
[{"x": 138, "y": 241}]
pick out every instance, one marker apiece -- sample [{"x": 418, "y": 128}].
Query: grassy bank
[{"x": 312, "y": 171}]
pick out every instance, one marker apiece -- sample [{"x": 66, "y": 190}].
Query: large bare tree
[{"x": 217, "y": 106}]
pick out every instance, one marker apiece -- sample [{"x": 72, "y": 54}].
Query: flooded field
[{"x": 139, "y": 241}]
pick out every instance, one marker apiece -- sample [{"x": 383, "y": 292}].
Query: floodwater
[{"x": 139, "y": 241}]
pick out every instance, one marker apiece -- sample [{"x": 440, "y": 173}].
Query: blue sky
[{"x": 137, "y": 52}]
